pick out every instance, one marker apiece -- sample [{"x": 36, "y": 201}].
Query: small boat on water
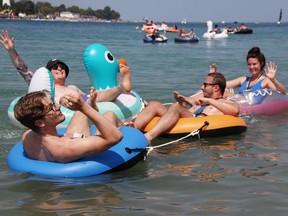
[
  {"x": 184, "y": 21},
  {"x": 280, "y": 17}
]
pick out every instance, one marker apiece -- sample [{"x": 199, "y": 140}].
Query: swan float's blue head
[{"x": 101, "y": 66}]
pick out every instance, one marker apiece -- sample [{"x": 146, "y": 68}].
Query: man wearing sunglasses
[
  {"x": 60, "y": 72},
  {"x": 41, "y": 115},
  {"x": 211, "y": 103}
]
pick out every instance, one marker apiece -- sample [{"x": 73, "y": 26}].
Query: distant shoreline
[
  {"x": 67, "y": 20},
  {"x": 114, "y": 21}
]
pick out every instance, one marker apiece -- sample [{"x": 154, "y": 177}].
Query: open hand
[
  {"x": 271, "y": 69},
  {"x": 7, "y": 42},
  {"x": 213, "y": 68}
]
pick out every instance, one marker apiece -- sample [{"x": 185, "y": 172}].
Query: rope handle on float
[{"x": 193, "y": 133}]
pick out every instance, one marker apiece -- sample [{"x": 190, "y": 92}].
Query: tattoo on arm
[{"x": 23, "y": 70}]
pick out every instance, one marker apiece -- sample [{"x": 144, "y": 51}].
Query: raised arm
[
  {"x": 22, "y": 68},
  {"x": 270, "y": 72},
  {"x": 72, "y": 149}
]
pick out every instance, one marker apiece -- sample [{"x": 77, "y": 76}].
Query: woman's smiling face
[{"x": 254, "y": 66}]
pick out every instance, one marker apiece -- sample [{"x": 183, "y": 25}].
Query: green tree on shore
[{"x": 44, "y": 8}]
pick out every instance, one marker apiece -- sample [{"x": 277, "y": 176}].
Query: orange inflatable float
[
  {"x": 208, "y": 126},
  {"x": 171, "y": 29}
]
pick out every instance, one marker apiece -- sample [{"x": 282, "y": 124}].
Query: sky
[{"x": 191, "y": 10}]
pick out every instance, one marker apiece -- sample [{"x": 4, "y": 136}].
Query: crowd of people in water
[
  {"x": 158, "y": 31},
  {"x": 229, "y": 29},
  {"x": 155, "y": 31},
  {"x": 41, "y": 113}
]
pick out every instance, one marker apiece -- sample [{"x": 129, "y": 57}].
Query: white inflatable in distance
[
  {"x": 213, "y": 35},
  {"x": 222, "y": 35},
  {"x": 208, "y": 34}
]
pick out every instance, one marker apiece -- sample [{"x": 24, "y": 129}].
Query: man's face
[
  {"x": 58, "y": 72},
  {"x": 52, "y": 113},
  {"x": 208, "y": 87}
]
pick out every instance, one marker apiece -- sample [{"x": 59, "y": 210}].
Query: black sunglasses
[
  {"x": 52, "y": 106},
  {"x": 55, "y": 67},
  {"x": 208, "y": 84}
]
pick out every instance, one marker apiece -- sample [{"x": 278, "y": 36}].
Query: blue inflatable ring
[{"x": 129, "y": 151}]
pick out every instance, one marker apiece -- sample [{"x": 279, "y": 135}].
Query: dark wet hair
[
  {"x": 218, "y": 79},
  {"x": 30, "y": 108},
  {"x": 256, "y": 53}
]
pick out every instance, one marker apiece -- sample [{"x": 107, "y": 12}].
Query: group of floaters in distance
[
  {"x": 157, "y": 33},
  {"x": 38, "y": 111},
  {"x": 214, "y": 32}
]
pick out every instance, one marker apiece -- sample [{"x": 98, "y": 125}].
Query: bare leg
[
  {"x": 112, "y": 118},
  {"x": 153, "y": 109},
  {"x": 92, "y": 99},
  {"x": 124, "y": 86},
  {"x": 79, "y": 122},
  {"x": 168, "y": 120}
]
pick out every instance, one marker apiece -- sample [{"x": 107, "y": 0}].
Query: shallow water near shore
[{"x": 243, "y": 174}]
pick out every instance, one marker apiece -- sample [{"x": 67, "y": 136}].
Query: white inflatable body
[{"x": 213, "y": 35}]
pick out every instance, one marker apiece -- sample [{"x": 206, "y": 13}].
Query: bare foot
[
  {"x": 125, "y": 79},
  {"x": 93, "y": 97}
]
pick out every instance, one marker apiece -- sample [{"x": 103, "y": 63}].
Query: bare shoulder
[{"x": 73, "y": 87}]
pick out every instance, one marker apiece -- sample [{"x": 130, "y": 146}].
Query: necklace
[{"x": 248, "y": 87}]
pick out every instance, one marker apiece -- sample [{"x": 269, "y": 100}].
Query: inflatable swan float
[{"x": 213, "y": 35}]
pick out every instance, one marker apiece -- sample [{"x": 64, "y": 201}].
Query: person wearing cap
[{"x": 60, "y": 72}]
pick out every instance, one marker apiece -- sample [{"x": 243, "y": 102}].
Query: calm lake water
[{"x": 244, "y": 174}]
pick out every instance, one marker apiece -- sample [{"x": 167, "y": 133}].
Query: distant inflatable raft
[{"x": 186, "y": 39}]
